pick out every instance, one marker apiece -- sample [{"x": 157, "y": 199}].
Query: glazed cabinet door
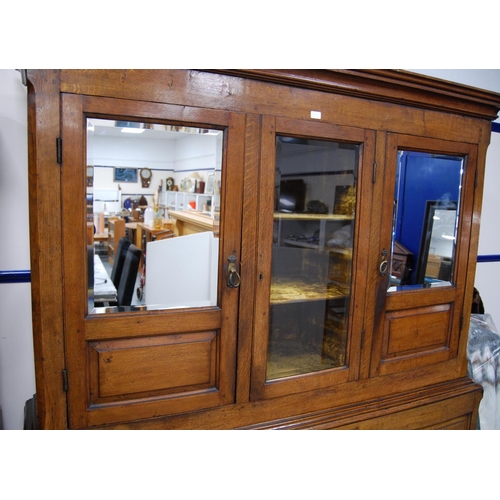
[
  {"x": 314, "y": 204},
  {"x": 171, "y": 348},
  {"x": 419, "y": 265}
]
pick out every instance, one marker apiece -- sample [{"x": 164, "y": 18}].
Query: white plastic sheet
[{"x": 483, "y": 351}]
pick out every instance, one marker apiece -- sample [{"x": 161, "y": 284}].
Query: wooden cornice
[{"x": 397, "y": 86}]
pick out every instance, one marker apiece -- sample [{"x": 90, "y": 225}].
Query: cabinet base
[
  {"x": 452, "y": 405},
  {"x": 449, "y": 405}
]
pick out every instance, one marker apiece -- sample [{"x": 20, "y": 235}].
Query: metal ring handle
[
  {"x": 384, "y": 264},
  {"x": 233, "y": 279}
]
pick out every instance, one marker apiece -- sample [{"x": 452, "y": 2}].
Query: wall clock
[
  {"x": 169, "y": 183},
  {"x": 146, "y": 176}
]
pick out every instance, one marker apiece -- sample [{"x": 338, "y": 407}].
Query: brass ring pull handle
[
  {"x": 233, "y": 278},
  {"x": 384, "y": 264}
]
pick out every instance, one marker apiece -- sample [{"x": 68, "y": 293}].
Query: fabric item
[{"x": 483, "y": 352}]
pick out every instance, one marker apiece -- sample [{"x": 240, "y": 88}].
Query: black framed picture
[{"x": 125, "y": 174}]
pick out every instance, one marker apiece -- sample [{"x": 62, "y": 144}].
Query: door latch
[
  {"x": 233, "y": 278},
  {"x": 383, "y": 264}
]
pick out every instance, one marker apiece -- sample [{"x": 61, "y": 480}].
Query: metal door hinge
[
  {"x": 374, "y": 173},
  {"x": 65, "y": 380},
  {"x": 59, "y": 150},
  {"x": 461, "y": 323},
  {"x": 475, "y": 179}
]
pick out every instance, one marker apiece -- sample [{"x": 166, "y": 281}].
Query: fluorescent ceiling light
[{"x": 127, "y": 130}]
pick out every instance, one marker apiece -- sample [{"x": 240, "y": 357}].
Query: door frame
[
  {"x": 271, "y": 127},
  {"x": 89, "y": 339}
]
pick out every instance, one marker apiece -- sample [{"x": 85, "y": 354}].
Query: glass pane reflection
[
  {"x": 152, "y": 190},
  {"x": 315, "y": 201},
  {"x": 426, "y": 215}
]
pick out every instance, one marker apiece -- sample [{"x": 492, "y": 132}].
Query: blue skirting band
[
  {"x": 15, "y": 276},
  {"x": 488, "y": 258}
]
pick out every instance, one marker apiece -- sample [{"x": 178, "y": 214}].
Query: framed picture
[
  {"x": 210, "y": 185},
  {"x": 125, "y": 174}
]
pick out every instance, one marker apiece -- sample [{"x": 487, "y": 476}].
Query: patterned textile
[{"x": 483, "y": 352}]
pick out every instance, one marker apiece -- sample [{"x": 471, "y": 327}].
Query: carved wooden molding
[{"x": 397, "y": 86}]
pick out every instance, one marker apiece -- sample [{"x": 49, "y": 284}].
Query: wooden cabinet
[
  {"x": 312, "y": 325},
  {"x": 116, "y": 230}
]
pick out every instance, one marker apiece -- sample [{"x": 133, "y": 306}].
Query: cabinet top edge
[
  {"x": 386, "y": 85},
  {"x": 389, "y": 85}
]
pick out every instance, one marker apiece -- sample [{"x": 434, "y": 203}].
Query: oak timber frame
[{"x": 415, "y": 105}]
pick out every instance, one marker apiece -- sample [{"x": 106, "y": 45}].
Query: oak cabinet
[{"x": 312, "y": 325}]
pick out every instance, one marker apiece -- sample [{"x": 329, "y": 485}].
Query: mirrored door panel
[
  {"x": 426, "y": 218},
  {"x": 153, "y": 215},
  {"x": 150, "y": 319},
  {"x": 426, "y": 214}
]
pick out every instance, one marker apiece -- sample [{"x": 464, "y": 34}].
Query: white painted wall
[
  {"x": 16, "y": 349},
  {"x": 17, "y": 374}
]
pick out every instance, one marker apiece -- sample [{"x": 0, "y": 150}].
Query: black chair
[
  {"x": 121, "y": 252},
  {"x": 90, "y": 267},
  {"x": 129, "y": 276}
]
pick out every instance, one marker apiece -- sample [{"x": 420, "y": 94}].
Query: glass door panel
[{"x": 314, "y": 211}]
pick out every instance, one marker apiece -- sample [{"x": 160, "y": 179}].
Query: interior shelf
[
  {"x": 286, "y": 291},
  {"x": 312, "y": 217}
]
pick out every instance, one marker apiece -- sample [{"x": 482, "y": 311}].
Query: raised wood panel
[
  {"x": 126, "y": 369},
  {"x": 416, "y": 330}
]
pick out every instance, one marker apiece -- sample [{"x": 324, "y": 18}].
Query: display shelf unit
[
  {"x": 312, "y": 229},
  {"x": 179, "y": 200},
  {"x": 116, "y": 230}
]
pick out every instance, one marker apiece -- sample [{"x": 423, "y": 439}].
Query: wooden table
[
  {"x": 191, "y": 222},
  {"x": 141, "y": 228}
]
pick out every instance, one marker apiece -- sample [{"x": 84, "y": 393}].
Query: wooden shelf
[
  {"x": 286, "y": 291},
  {"x": 312, "y": 217}
]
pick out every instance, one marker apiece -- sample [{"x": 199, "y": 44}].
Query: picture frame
[
  {"x": 125, "y": 174},
  {"x": 210, "y": 185}
]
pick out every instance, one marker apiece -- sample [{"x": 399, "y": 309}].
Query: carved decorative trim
[{"x": 397, "y": 86}]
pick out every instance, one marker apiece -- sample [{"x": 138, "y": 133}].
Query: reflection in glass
[
  {"x": 315, "y": 201},
  {"x": 152, "y": 190},
  {"x": 438, "y": 243},
  {"x": 426, "y": 215}
]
